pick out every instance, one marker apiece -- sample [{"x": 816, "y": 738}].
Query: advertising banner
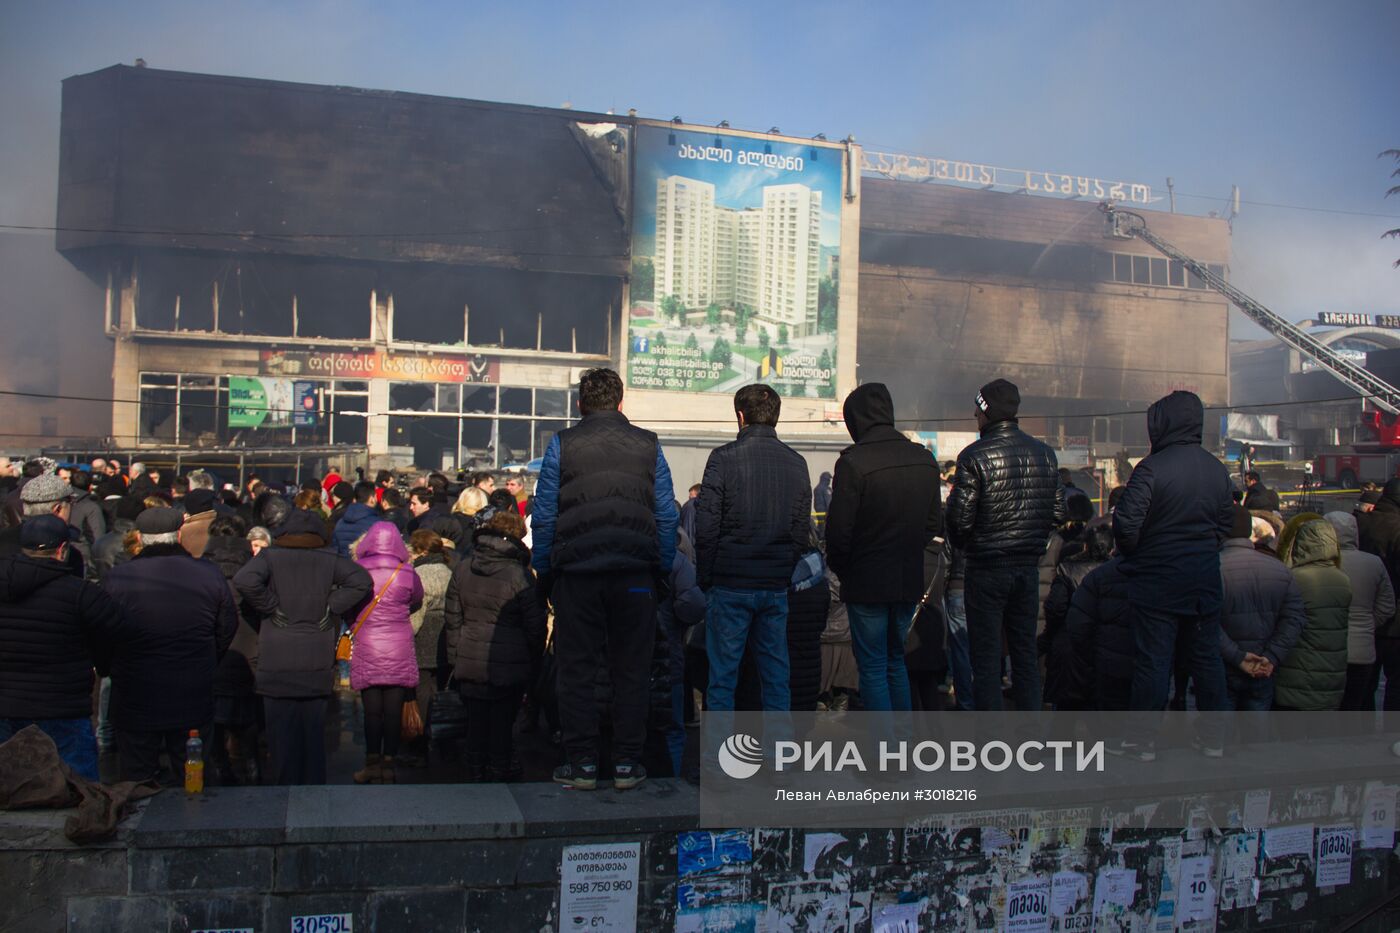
[
  {"x": 257, "y": 402},
  {"x": 736, "y": 250},
  {"x": 378, "y": 364},
  {"x": 303, "y": 404}
]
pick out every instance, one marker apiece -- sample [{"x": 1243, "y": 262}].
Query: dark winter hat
[
  {"x": 1078, "y": 508},
  {"x": 199, "y": 500},
  {"x": 1241, "y": 522},
  {"x": 1370, "y": 496},
  {"x": 159, "y": 521},
  {"x": 43, "y": 533},
  {"x": 302, "y": 522},
  {"x": 999, "y": 400}
]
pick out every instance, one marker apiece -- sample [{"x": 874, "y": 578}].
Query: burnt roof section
[{"x": 164, "y": 158}]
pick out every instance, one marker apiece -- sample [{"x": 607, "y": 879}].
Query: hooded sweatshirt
[
  {"x": 1174, "y": 513},
  {"x": 885, "y": 505},
  {"x": 1372, "y": 598}
]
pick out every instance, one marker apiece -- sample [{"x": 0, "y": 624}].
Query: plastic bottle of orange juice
[{"x": 194, "y": 764}]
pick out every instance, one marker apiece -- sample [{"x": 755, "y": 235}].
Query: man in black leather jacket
[{"x": 1006, "y": 499}]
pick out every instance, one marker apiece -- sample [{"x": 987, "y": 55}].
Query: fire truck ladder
[{"x": 1128, "y": 224}]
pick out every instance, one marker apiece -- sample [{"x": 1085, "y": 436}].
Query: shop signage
[
  {"x": 1354, "y": 319},
  {"x": 921, "y": 168},
  {"x": 379, "y": 364}
]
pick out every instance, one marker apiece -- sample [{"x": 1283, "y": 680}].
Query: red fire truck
[{"x": 1374, "y": 462}]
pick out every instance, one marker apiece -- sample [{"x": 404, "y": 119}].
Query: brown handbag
[{"x": 345, "y": 645}]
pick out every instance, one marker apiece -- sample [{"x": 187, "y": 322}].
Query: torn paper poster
[
  {"x": 706, "y": 851},
  {"x": 897, "y": 918},
  {"x": 1068, "y": 891},
  {"x": 1164, "y": 913},
  {"x": 1239, "y": 881},
  {"x": 1378, "y": 817},
  {"x": 1114, "y": 889},
  {"x": 813, "y": 906},
  {"x": 1256, "y": 809},
  {"x": 1289, "y": 840},
  {"x": 826, "y": 852}
]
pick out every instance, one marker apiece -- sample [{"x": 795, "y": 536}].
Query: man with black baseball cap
[
  {"x": 54, "y": 629},
  {"x": 1006, "y": 499}
]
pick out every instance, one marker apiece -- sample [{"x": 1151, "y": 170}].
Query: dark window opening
[
  {"x": 478, "y": 451},
  {"x": 1177, "y": 274},
  {"x": 167, "y": 278},
  {"x": 514, "y": 441},
  {"x": 516, "y": 402},
  {"x": 412, "y": 396},
  {"x": 1159, "y": 272},
  {"x": 1142, "y": 270},
  {"x": 333, "y": 300},
  {"x": 479, "y": 400},
  {"x": 158, "y": 416},
  {"x": 1122, "y": 268}
]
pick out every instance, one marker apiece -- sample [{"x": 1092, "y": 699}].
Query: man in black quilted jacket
[
  {"x": 752, "y": 521},
  {"x": 54, "y": 629},
  {"x": 1006, "y": 499}
]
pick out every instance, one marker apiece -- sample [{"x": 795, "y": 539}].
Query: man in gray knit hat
[{"x": 45, "y": 494}]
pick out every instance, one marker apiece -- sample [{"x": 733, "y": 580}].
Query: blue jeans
[
  {"x": 733, "y": 619},
  {"x": 878, "y": 631},
  {"x": 959, "y": 660},
  {"x": 1156, "y": 636},
  {"x": 1001, "y": 598},
  {"x": 77, "y": 745},
  {"x": 1249, "y": 694}
]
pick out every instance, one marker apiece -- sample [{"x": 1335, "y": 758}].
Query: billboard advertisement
[
  {"x": 735, "y": 263},
  {"x": 257, "y": 402}
]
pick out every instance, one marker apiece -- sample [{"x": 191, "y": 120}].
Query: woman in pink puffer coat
[{"x": 383, "y": 665}]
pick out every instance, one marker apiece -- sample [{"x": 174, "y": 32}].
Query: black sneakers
[
  {"x": 580, "y": 776},
  {"x": 1134, "y": 751},
  {"x": 628, "y": 775}
]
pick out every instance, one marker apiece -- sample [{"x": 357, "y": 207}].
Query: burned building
[
  {"x": 386, "y": 278},
  {"x": 411, "y": 278},
  {"x": 960, "y": 285}
]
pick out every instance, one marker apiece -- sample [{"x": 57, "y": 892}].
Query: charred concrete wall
[{"x": 960, "y": 286}]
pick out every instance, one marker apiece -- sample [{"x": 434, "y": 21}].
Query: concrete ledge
[
  {"x": 402, "y": 813},
  {"x": 662, "y": 803},
  {"x": 221, "y": 816}
]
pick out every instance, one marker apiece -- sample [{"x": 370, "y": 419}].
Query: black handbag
[{"x": 447, "y": 715}]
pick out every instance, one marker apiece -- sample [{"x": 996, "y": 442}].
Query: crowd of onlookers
[{"x": 153, "y": 604}]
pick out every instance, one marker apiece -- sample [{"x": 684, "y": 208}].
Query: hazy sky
[{"x": 1291, "y": 101}]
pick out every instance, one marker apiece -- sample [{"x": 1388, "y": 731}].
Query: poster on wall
[
  {"x": 257, "y": 402},
  {"x": 598, "y": 886},
  {"x": 736, "y": 250}
]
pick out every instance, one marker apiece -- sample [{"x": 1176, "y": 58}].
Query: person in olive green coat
[{"x": 1314, "y": 675}]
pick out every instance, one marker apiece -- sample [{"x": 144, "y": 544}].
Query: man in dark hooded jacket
[
  {"x": 884, "y": 510},
  {"x": 1006, "y": 499},
  {"x": 1169, "y": 525}
]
